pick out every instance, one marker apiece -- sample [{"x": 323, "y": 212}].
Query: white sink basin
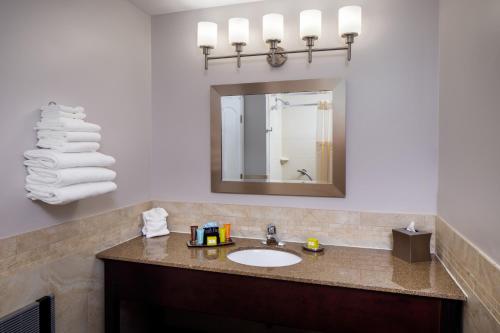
[{"x": 264, "y": 257}]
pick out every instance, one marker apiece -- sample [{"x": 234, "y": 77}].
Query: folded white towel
[
  {"x": 59, "y": 107},
  {"x": 64, "y": 136},
  {"x": 62, "y": 195},
  {"x": 47, "y": 158},
  {"x": 67, "y": 124},
  {"x": 68, "y": 147},
  {"x": 155, "y": 223},
  {"x": 71, "y": 176},
  {"x": 53, "y": 114}
]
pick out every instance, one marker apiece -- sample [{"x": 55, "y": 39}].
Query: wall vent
[{"x": 37, "y": 317}]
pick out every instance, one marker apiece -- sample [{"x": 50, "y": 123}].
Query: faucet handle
[{"x": 271, "y": 229}]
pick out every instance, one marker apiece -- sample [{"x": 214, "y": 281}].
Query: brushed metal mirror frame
[{"x": 338, "y": 186}]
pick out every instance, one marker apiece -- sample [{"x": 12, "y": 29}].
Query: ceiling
[{"x": 156, "y": 7}]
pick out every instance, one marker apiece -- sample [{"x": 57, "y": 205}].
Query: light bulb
[
  {"x": 272, "y": 27},
  {"x": 207, "y": 34},
  {"x": 350, "y": 20},
  {"x": 238, "y": 30},
  {"x": 310, "y": 23}
]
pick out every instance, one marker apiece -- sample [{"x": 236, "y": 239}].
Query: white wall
[
  {"x": 391, "y": 101},
  {"x": 299, "y": 132},
  {"x": 93, "y": 53},
  {"x": 469, "y": 120}
]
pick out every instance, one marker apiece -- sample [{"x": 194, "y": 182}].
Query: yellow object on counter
[
  {"x": 212, "y": 240},
  {"x": 312, "y": 243},
  {"x": 222, "y": 235}
]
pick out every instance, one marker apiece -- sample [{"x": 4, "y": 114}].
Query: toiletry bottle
[
  {"x": 227, "y": 226},
  {"x": 222, "y": 234},
  {"x": 199, "y": 236},
  {"x": 193, "y": 233}
]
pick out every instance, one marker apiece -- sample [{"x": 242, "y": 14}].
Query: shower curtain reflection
[{"x": 324, "y": 144}]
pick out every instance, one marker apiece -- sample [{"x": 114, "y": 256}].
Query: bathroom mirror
[{"x": 281, "y": 138}]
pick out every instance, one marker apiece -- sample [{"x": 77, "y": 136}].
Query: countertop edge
[{"x": 102, "y": 255}]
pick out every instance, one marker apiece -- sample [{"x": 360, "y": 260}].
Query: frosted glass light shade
[
  {"x": 272, "y": 27},
  {"x": 238, "y": 30},
  {"x": 310, "y": 23},
  {"x": 207, "y": 34},
  {"x": 350, "y": 20}
]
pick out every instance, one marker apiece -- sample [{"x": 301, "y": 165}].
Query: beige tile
[
  {"x": 8, "y": 247},
  {"x": 477, "y": 275},
  {"x": 476, "y": 317},
  {"x": 61, "y": 260},
  {"x": 209, "y": 209},
  {"x": 63, "y": 231},
  {"x": 265, "y": 212},
  {"x": 71, "y": 311},
  {"x": 21, "y": 288},
  {"x": 422, "y": 222},
  {"x": 32, "y": 240},
  {"x": 296, "y": 224},
  {"x": 5, "y": 265},
  {"x": 95, "y": 308},
  {"x": 336, "y": 217},
  {"x": 183, "y": 208}
]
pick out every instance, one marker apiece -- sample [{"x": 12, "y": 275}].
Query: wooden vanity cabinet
[{"x": 273, "y": 302}]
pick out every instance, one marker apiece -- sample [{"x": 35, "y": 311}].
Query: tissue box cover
[{"x": 411, "y": 246}]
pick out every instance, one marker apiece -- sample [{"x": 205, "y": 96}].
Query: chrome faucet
[
  {"x": 303, "y": 172},
  {"x": 271, "y": 237}
]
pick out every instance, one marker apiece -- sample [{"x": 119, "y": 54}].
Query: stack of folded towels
[{"x": 67, "y": 167}]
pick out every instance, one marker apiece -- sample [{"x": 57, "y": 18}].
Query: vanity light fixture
[
  {"x": 207, "y": 38},
  {"x": 349, "y": 19},
  {"x": 238, "y": 35},
  {"x": 349, "y": 25},
  {"x": 310, "y": 29}
]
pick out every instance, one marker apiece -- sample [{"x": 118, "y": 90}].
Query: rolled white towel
[
  {"x": 70, "y": 176},
  {"x": 47, "y": 158},
  {"x": 155, "y": 223},
  {"x": 155, "y": 214},
  {"x": 67, "y": 124},
  {"x": 53, "y": 114},
  {"x": 59, "y": 107},
  {"x": 65, "y": 136},
  {"x": 68, "y": 147},
  {"x": 61, "y": 195}
]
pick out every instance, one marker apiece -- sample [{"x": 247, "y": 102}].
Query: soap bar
[
  {"x": 312, "y": 243},
  {"x": 211, "y": 241}
]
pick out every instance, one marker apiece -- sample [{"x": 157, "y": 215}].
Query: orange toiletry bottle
[{"x": 227, "y": 226}]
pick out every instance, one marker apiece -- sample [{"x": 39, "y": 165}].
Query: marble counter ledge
[{"x": 367, "y": 269}]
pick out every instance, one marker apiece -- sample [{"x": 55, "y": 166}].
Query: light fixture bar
[{"x": 244, "y": 55}]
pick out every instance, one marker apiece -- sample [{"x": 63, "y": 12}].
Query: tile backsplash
[
  {"x": 332, "y": 227},
  {"x": 60, "y": 260},
  {"x": 477, "y": 274}
]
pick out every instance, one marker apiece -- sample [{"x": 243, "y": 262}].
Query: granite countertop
[{"x": 368, "y": 269}]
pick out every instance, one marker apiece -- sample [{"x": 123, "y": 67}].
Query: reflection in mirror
[{"x": 279, "y": 137}]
